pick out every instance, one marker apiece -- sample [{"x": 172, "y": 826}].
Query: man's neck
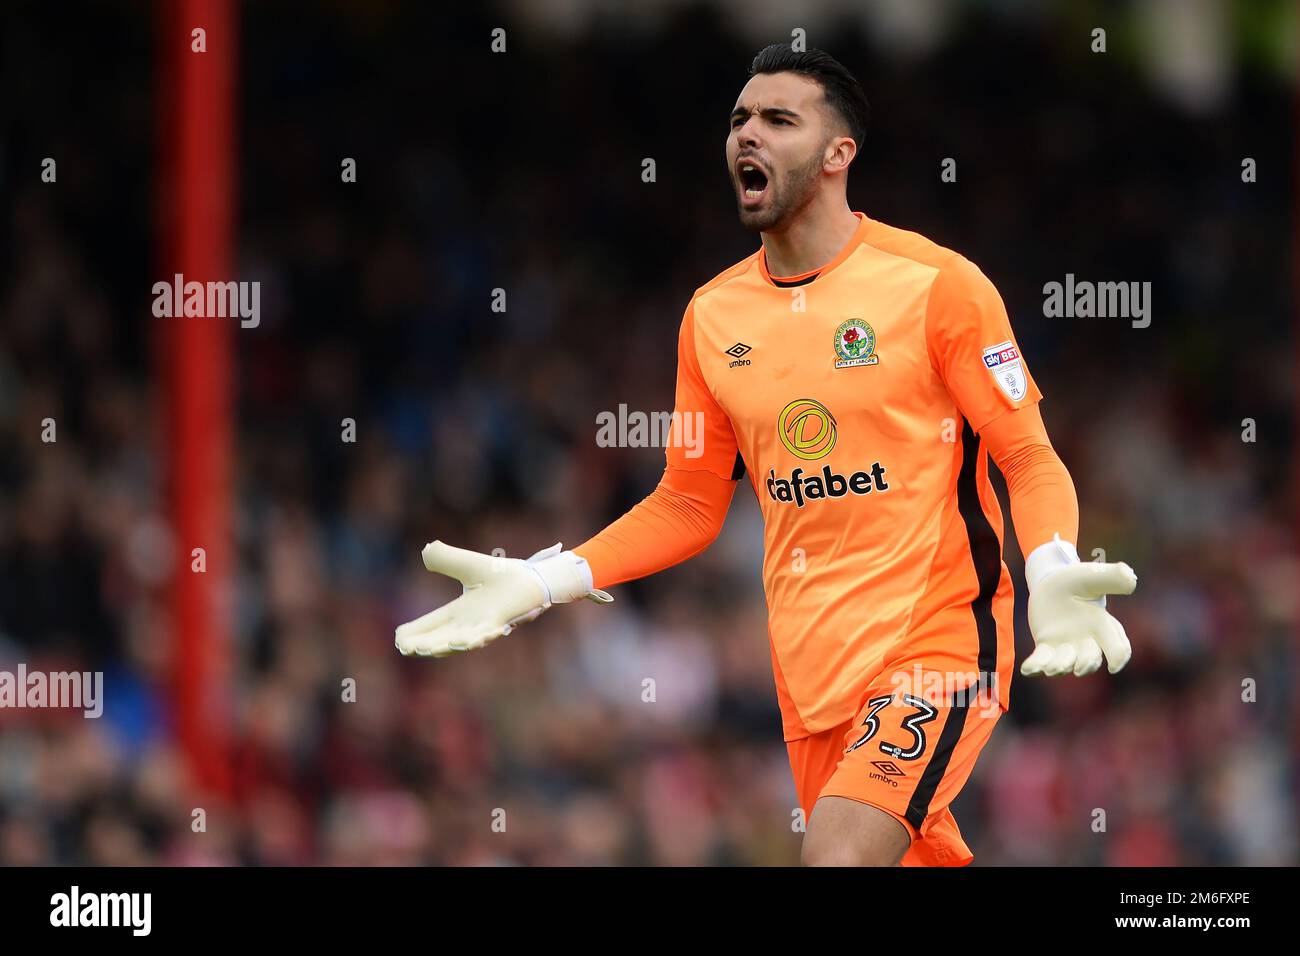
[{"x": 812, "y": 240}]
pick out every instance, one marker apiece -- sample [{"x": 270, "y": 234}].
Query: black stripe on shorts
[{"x": 918, "y": 808}]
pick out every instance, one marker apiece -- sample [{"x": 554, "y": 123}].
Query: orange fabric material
[
  {"x": 856, "y": 402},
  {"x": 908, "y": 751},
  {"x": 1043, "y": 500},
  {"x": 942, "y": 844},
  {"x": 676, "y": 521},
  {"x": 873, "y": 490}
]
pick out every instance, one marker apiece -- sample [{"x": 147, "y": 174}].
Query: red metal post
[{"x": 195, "y": 229}]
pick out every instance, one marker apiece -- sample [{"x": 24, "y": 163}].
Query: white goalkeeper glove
[
  {"x": 500, "y": 594},
  {"x": 1067, "y": 612}
]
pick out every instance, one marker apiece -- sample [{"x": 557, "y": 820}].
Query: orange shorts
[{"x": 906, "y": 752}]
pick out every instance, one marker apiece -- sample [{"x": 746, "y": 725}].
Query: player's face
[{"x": 776, "y": 148}]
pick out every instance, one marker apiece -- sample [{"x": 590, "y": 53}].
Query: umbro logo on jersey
[{"x": 737, "y": 352}]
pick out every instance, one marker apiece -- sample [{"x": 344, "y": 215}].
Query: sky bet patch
[{"x": 1007, "y": 368}]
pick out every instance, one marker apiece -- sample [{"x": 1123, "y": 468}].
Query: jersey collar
[{"x": 782, "y": 282}]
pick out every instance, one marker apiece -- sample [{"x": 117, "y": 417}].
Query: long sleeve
[
  {"x": 975, "y": 352},
  {"x": 678, "y": 520},
  {"x": 683, "y": 515},
  {"x": 972, "y": 346},
  {"x": 1043, "y": 500}
]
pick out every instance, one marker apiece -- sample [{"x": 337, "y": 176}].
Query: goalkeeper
[{"x": 880, "y": 373}]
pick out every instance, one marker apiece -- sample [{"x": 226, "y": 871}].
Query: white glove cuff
[
  {"x": 564, "y": 575},
  {"x": 1047, "y": 558}
]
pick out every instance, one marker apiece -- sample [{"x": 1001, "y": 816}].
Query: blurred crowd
[{"x": 523, "y": 172}]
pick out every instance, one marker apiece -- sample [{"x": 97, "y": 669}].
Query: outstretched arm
[
  {"x": 679, "y": 519},
  {"x": 1067, "y": 598},
  {"x": 1043, "y": 502},
  {"x": 973, "y": 350}
]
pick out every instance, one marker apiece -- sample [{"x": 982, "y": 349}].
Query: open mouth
[{"x": 753, "y": 181}]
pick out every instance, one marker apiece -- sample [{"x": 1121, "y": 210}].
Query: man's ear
[{"x": 840, "y": 152}]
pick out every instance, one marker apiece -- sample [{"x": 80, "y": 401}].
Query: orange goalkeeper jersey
[{"x": 853, "y": 403}]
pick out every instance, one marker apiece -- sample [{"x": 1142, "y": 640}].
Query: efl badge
[
  {"x": 1007, "y": 368},
  {"x": 855, "y": 344}
]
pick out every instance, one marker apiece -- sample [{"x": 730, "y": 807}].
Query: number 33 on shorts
[
  {"x": 910, "y": 755},
  {"x": 914, "y": 723}
]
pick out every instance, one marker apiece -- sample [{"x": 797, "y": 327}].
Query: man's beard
[{"x": 797, "y": 190}]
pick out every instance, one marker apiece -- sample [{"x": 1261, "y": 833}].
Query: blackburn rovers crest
[{"x": 855, "y": 344}]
